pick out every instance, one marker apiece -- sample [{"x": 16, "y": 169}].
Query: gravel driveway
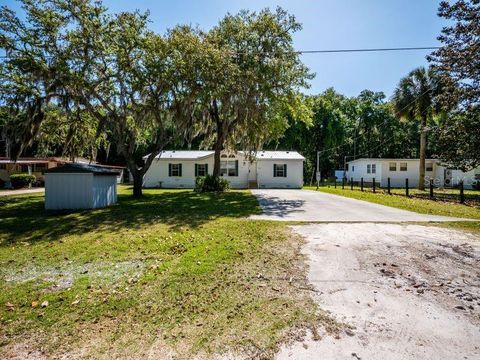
[
  {"x": 305, "y": 205},
  {"x": 405, "y": 291},
  {"x": 408, "y": 292}
]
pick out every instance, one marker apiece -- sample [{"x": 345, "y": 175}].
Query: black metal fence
[{"x": 456, "y": 195}]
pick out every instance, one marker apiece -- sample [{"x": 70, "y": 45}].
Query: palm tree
[{"x": 414, "y": 99}]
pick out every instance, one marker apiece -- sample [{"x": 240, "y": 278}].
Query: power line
[
  {"x": 328, "y": 51},
  {"x": 397, "y": 113},
  {"x": 368, "y": 50}
]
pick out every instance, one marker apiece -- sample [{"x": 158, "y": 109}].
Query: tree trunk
[
  {"x": 137, "y": 183},
  {"x": 423, "y": 146},
  {"x": 216, "y": 157}
]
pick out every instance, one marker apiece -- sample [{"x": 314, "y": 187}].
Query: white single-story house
[
  {"x": 80, "y": 186},
  {"x": 263, "y": 169},
  {"x": 400, "y": 169}
]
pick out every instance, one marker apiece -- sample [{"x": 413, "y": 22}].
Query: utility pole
[{"x": 318, "y": 169}]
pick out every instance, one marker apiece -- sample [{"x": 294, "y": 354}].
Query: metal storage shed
[{"x": 80, "y": 186}]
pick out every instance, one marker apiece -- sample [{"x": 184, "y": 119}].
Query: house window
[
  {"x": 353, "y": 168},
  {"x": 40, "y": 167},
  {"x": 374, "y": 168},
  {"x": 201, "y": 169},
  {"x": 175, "y": 170},
  {"x": 369, "y": 168},
  {"x": 429, "y": 166},
  {"x": 393, "y": 166},
  {"x": 403, "y": 166},
  {"x": 279, "y": 170},
  {"x": 229, "y": 168}
]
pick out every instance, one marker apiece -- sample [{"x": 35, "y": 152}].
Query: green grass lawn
[
  {"x": 174, "y": 270},
  {"x": 424, "y": 206}
]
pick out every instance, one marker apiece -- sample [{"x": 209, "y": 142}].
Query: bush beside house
[
  {"x": 20, "y": 181},
  {"x": 210, "y": 183}
]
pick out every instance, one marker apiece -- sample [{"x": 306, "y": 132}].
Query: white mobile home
[
  {"x": 263, "y": 169},
  {"x": 400, "y": 169},
  {"x": 80, "y": 186}
]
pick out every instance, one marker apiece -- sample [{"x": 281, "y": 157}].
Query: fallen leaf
[
  {"x": 34, "y": 304},
  {"x": 44, "y": 304},
  {"x": 10, "y": 306},
  {"x": 75, "y": 302}
]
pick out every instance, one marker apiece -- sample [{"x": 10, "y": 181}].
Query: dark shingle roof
[{"x": 80, "y": 168}]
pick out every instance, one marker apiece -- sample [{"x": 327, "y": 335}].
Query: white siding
[
  {"x": 359, "y": 169},
  {"x": 397, "y": 177},
  {"x": 158, "y": 172},
  {"x": 104, "y": 190},
  {"x": 68, "y": 191},
  {"x": 266, "y": 179},
  {"x": 260, "y": 170},
  {"x": 240, "y": 181}
]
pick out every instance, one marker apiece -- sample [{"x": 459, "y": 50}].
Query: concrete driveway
[
  {"x": 21, "y": 191},
  {"x": 306, "y": 205}
]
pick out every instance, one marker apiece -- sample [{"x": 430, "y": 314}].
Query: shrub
[
  {"x": 2, "y": 184},
  {"x": 210, "y": 183},
  {"x": 22, "y": 180}
]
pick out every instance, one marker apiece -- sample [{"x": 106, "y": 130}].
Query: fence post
[
  {"x": 361, "y": 184},
  {"x": 406, "y": 187},
  {"x": 351, "y": 183},
  {"x": 343, "y": 183},
  {"x": 335, "y": 181},
  {"x": 462, "y": 194},
  {"x": 388, "y": 183},
  {"x": 431, "y": 188},
  {"x": 373, "y": 184}
]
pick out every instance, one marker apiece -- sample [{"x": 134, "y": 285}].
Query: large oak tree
[
  {"x": 458, "y": 61},
  {"x": 73, "y": 55},
  {"x": 251, "y": 78}
]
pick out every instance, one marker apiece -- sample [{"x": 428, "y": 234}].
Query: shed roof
[{"x": 81, "y": 168}]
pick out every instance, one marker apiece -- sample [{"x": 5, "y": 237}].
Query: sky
[{"x": 327, "y": 24}]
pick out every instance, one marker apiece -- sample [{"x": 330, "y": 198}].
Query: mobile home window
[
  {"x": 279, "y": 170},
  {"x": 393, "y": 166},
  {"x": 369, "y": 168},
  {"x": 374, "y": 168},
  {"x": 175, "y": 170},
  {"x": 201, "y": 169},
  {"x": 403, "y": 166},
  {"x": 229, "y": 168},
  {"x": 353, "y": 168},
  {"x": 429, "y": 166}
]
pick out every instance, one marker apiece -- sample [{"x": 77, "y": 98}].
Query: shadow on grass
[{"x": 23, "y": 218}]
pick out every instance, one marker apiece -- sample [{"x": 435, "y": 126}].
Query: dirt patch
[{"x": 408, "y": 291}]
